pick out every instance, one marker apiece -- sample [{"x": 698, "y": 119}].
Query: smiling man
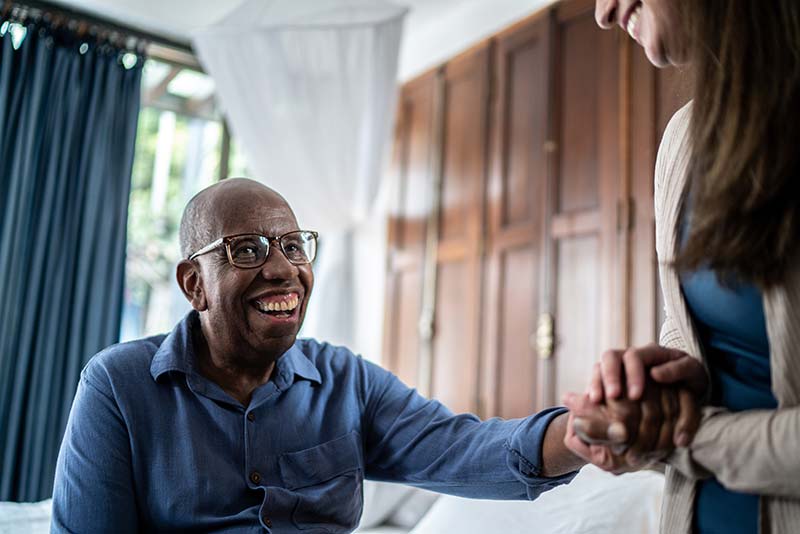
[{"x": 230, "y": 423}]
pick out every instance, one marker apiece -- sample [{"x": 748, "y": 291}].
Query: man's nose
[
  {"x": 278, "y": 266},
  {"x": 606, "y": 13}
]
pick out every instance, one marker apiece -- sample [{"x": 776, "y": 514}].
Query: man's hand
[
  {"x": 595, "y": 422},
  {"x": 623, "y": 435}
]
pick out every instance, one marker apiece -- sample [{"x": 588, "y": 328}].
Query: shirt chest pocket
[{"x": 327, "y": 481}]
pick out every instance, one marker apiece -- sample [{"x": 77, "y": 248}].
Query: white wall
[{"x": 437, "y": 31}]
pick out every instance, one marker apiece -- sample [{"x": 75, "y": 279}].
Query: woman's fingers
[
  {"x": 688, "y": 420},
  {"x": 595, "y": 390},
  {"x": 611, "y": 373},
  {"x": 671, "y": 410},
  {"x": 683, "y": 370},
  {"x": 649, "y": 428},
  {"x": 635, "y": 375},
  {"x": 627, "y": 370}
]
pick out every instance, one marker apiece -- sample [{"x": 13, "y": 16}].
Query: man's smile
[{"x": 278, "y": 305}]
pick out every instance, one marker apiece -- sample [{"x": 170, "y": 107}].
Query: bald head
[{"x": 210, "y": 211}]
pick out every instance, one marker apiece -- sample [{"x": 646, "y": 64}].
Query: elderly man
[{"x": 230, "y": 423}]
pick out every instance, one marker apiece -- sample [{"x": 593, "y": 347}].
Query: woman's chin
[
  {"x": 662, "y": 56},
  {"x": 657, "y": 55}
]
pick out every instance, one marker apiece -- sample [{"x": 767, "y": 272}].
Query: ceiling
[
  {"x": 434, "y": 29},
  {"x": 178, "y": 18}
]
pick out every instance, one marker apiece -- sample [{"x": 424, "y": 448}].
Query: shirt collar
[
  {"x": 176, "y": 353},
  {"x": 294, "y": 363}
]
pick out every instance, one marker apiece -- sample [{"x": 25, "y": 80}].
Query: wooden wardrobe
[{"x": 521, "y": 234}]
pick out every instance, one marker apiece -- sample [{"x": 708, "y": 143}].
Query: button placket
[{"x": 254, "y": 475}]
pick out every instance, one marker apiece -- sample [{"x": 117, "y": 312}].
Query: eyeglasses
[{"x": 248, "y": 251}]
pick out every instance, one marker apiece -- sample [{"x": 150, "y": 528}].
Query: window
[{"x": 180, "y": 147}]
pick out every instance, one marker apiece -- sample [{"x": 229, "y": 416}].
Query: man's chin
[{"x": 264, "y": 352}]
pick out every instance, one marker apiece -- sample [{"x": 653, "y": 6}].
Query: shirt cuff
[{"x": 525, "y": 453}]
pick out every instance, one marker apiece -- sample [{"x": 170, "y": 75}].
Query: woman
[{"x": 727, "y": 229}]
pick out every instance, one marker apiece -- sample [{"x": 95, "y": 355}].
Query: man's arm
[
  {"x": 93, "y": 489},
  {"x": 557, "y": 458},
  {"x": 416, "y": 441}
]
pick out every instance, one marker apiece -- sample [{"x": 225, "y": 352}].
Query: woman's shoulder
[
  {"x": 674, "y": 142},
  {"x": 672, "y": 161},
  {"x": 678, "y": 126}
]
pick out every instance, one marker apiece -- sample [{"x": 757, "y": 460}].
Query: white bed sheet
[
  {"x": 28, "y": 518},
  {"x": 594, "y": 503}
]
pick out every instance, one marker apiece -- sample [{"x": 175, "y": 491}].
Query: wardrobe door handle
[{"x": 544, "y": 336}]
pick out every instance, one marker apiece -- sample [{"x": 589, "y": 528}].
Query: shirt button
[
  {"x": 251, "y": 416},
  {"x": 255, "y": 477},
  {"x": 267, "y": 522}
]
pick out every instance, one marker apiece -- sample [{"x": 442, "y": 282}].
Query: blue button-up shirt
[{"x": 152, "y": 445}]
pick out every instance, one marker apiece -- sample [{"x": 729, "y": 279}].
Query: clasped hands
[{"x": 640, "y": 405}]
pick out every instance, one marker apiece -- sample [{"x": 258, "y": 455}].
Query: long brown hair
[{"x": 745, "y": 131}]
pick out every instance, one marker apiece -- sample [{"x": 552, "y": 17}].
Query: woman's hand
[
  {"x": 640, "y": 404},
  {"x": 635, "y": 368},
  {"x": 631, "y": 368}
]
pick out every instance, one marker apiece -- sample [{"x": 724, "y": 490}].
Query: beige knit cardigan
[{"x": 755, "y": 451}]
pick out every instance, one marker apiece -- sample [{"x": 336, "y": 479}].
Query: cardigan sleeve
[{"x": 753, "y": 451}]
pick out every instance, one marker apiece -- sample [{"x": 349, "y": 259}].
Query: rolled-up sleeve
[{"x": 414, "y": 440}]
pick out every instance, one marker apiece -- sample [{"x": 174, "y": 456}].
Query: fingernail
[
  {"x": 617, "y": 432},
  {"x": 577, "y": 424},
  {"x": 635, "y": 459},
  {"x": 634, "y": 392},
  {"x": 682, "y": 440},
  {"x": 618, "y": 450}
]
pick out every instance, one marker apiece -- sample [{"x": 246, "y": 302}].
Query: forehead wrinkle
[{"x": 270, "y": 222}]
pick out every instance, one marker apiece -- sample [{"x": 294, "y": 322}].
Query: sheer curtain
[
  {"x": 309, "y": 89},
  {"x": 68, "y": 118}
]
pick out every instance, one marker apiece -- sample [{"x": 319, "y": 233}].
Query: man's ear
[{"x": 191, "y": 283}]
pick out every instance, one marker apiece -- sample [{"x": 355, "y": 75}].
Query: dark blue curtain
[{"x": 68, "y": 115}]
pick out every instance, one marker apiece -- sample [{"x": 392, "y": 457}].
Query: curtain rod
[{"x": 50, "y": 7}]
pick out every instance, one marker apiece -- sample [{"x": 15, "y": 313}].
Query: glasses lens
[
  {"x": 300, "y": 247},
  {"x": 248, "y": 250}
]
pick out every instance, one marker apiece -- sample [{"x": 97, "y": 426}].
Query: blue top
[
  {"x": 732, "y": 329},
  {"x": 152, "y": 445}
]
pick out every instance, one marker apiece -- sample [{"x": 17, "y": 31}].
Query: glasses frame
[{"x": 226, "y": 242}]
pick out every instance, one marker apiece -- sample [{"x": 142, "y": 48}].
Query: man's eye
[{"x": 245, "y": 250}]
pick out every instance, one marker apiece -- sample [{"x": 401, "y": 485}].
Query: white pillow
[
  {"x": 594, "y": 503},
  {"x": 381, "y": 499},
  {"x": 30, "y": 518},
  {"x": 413, "y": 508}
]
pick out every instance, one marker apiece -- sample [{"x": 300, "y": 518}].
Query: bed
[{"x": 594, "y": 503}]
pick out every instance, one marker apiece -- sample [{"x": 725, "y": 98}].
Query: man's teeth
[
  {"x": 284, "y": 305},
  {"x": 633, "y": 21}
]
